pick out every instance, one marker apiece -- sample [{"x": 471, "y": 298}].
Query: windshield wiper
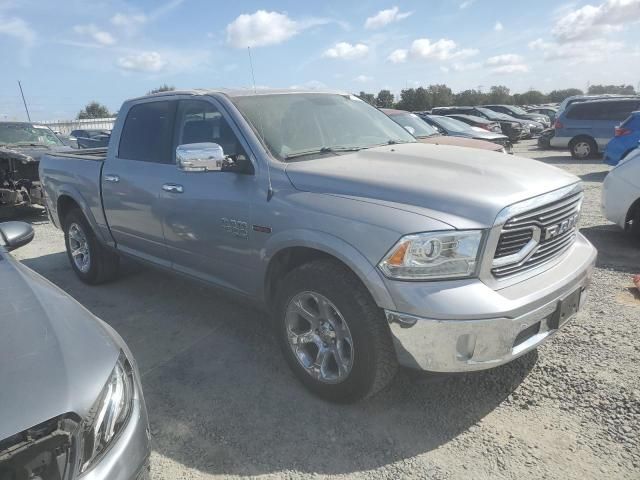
[
  {"x": 29, "y": 144},
  {"x": 322, "y": 151}
]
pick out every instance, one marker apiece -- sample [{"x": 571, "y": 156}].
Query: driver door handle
[
  {"x": 173, "y": 188},
  {"x": 111, "y": 178}
]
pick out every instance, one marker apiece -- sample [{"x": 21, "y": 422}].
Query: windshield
[
  {"x": 517, "y": 110},
  {"x": 293, "y": 124},
  {"x": 414, "y": 124},
  {"x": 24, "y": 133},
  {"x": 491, "y": 115},
  {"x": 451, "y": 124}
]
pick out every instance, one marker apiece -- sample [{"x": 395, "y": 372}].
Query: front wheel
[
  {"x": 92, "y": 262},
  {"x": 332, "y": 334}
]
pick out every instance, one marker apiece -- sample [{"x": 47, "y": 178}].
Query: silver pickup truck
[{"x": 368, "y": 248}]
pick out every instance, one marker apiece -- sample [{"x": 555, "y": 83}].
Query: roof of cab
[{"x": 239, "y": 92}]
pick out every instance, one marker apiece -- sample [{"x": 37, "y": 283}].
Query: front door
[{"x": 207, "y": 215}]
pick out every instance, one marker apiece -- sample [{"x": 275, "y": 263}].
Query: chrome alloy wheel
[
  {"x": 319, "y": 337},
  {"x": 79, "y": 248}
]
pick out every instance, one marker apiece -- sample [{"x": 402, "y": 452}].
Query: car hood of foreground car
[
  {"x": 461, "y": 142},
  {"x": 55, "y": 356},
  {"x": 465, "y": 188}
]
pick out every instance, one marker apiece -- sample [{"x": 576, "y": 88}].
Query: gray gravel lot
[{"x": 222, "y": 402}]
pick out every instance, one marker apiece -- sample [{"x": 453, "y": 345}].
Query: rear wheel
[
  {"x": 583, "y": 148},
  {"x": 332, "y": 334},
  {"x": 92, "y": 262}
]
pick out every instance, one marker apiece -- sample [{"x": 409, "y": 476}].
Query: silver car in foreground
[{"x": 71, "y": 403}]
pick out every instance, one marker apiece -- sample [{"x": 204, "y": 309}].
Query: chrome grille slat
[{"x": 518, "y": 231}]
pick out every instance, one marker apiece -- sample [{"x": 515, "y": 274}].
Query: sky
[{"x": 67, "y": 53}]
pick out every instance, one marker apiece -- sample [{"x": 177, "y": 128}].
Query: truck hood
[
  {"x": 55, "y": 356},
  {"x": 462, "y": 187}
]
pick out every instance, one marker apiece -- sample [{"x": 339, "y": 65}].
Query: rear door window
[
  {"x": 147, "y": 133},
  {"x": 619, "y": 110}
]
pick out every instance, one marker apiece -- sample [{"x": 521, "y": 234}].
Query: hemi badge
[{"x": 261, "y": 229}]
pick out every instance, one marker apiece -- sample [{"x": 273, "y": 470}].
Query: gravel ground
[{"x": 222, "y": 402}]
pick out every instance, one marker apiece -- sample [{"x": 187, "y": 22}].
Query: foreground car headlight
[
  {"x": 433, "y": 255},
  {"x": 108, "y": 415}
]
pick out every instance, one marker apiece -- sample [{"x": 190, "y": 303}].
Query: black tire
[
  {"x": 103, "y": 264},
  {"x": 374, "y": 361},
  {"x": 582, "y": 148},
  {"x": 634, "y": 229}
]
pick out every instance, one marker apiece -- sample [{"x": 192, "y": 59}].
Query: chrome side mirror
[
  {"x": 200, "y": 157},
  {"x": 15, "y": 234}
]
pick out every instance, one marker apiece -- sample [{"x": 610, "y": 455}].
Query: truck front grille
[{"x": 537, "y": 236}]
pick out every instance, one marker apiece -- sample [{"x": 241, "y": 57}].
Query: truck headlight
[
  {"x": 434, "y": 255},
  {"x": 108, "y": 415}
]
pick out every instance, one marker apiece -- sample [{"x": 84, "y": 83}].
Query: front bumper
[{"x": 461, "y": 326}]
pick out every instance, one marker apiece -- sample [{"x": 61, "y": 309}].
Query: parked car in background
[
  {"x": 517, "y": 112},
  {"x": 621, "y": 194},
  {"x": 513, "y": 128},
  {"x": 455, "y": 128},
  {"x": 90, "y": 138},
  {"x": 71, "y": 404},
  {"x": 586, "y": 98},
  {"x": 544, "y": 140},
  {"x": 585, "y": 128},
  {"x": 21, "y": 146},
  {"x": 426, "y": 133},
  {"x": 368, "y": 248},
  {"x": 624, "y": 141},
  {"x": 548, "y": 111},
  {"x": 479, "y": 122}
]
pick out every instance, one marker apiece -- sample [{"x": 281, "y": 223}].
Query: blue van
[{"x": 585, "y": 128}]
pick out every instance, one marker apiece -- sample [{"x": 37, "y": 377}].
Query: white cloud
[
  {"x": 467, "y": 4},
  {"x": 346, "y": 51},
  {"x": 99, "y": 36},
  {"x": 385, "y": 17},
  {"x": 19, "y": 29},
  {"x": 516, "y": 68},
  {"x": 498, "y": 27},
  {"x": 398, "y": 56},
  {"x": 507, "y": 63},
  {"x": 576, "y": 52},
  {"x": 425, "y": 49},
  {"x": 264, "y": 28},
  {"x": 130, "y": 21},
  {"x": 591, "y": 21},
  {"x": 506, "y": 59},
  {"x": 363, "y": 78},
  {"x": 444, "y": 69},
  {"x": 142, "y": 62},
  {"x": 310, "y": 85},
  {"x": 463, "y": 67}
]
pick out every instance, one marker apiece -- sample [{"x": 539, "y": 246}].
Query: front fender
[{"x": 335, "y": 247}]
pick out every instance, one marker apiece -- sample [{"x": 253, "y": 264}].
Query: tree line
[
  {"x": 439, "y": 95},
  {"x": 421, "y": 98}
]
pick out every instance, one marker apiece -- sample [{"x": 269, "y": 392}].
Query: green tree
[
  {"x": 414, "y": 99},
  {"x": 93, "y": 110},
  {"x": 499, "y": 94},
  {"x": 619, "y": 89},
  {"x": 468, "y": 98},
  {"x": 532, "y": 97},
  {"x": 370, "y": 98},
  {"x": 439, "y": 96},
  {"x": 162, "y": 88},
  {"x": 557, "y": 96},
  {"x": 384, "y": 99}
]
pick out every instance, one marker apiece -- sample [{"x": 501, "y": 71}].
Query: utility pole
[{"x": 24, "y": 101}]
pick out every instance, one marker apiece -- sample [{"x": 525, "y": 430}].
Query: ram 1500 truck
[{"x": 368, "y": 248}]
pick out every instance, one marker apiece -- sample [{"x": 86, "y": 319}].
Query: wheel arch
[
  {"x": 634, "y": 210},
  {"x": 69, "y": 199},
  {"x": 305, "y": 246}
]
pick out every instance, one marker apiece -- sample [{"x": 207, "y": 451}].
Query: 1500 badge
[{"x": 235, "y": 227}]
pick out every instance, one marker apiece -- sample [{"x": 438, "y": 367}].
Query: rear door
[{"x": 132, "y": 180}]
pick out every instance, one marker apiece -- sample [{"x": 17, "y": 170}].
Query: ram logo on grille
[{"x": 560, "y": 228}]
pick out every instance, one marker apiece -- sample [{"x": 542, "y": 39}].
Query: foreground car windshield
[
  {"x": 414, "y": 124},
  {"x": 298, "y": 123},
  {"x": 27, "y": 134}
]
